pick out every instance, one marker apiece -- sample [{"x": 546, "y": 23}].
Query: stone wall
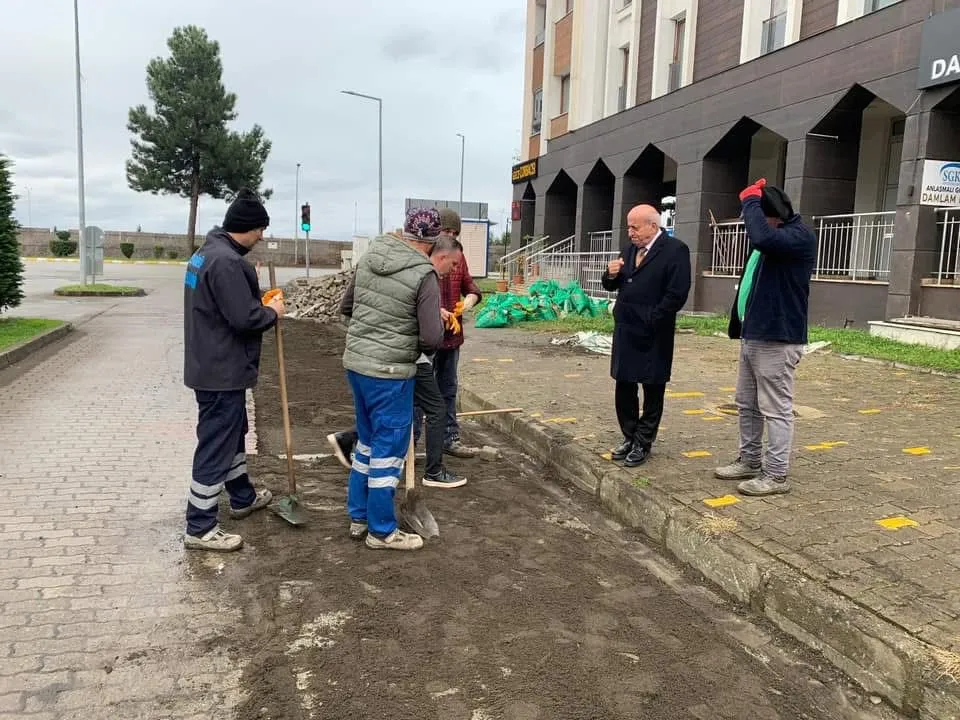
[{"x": 35, "y": 242}]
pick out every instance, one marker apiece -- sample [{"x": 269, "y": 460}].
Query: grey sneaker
[
  {"x": 738, "y": 470},
  {"x": 358, "y": 530},
  {"x": 397, "y": 540},
  {"x": 458, "y": 449},
  {"x": 764, "y": 485},
  {"x": 216, "y": 540},
  {"x": 263, "y": 499},
  {"x": 445, "y": 479}
]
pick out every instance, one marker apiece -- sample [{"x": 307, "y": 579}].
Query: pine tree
[
  {"x": 11, "y": 266},
  {"x": 185, "y": 147}
]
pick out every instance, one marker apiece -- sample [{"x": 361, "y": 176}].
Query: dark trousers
[
  {"x": 428, "y": 402},
  {"x": 220, "y": 460},
  {"x": 445, "y": 365},
  {"x": 642, "y": 429}
]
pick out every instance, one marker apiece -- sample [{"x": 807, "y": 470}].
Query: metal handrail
[
  {"x": 535, "y": 258},
  {"x": 515, "y": 257}
]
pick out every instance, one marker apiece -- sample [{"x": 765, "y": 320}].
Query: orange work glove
[
  {"x": 454, "y": 325},
  {"x": 270, "y": 295},
  {"x": 755, "y": 190},
  {"x": 458, "y": 309}
]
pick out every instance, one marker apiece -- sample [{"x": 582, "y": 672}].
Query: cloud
[{"x": 441, "y": 68}]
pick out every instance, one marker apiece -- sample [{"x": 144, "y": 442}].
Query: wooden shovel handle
[
  {"x": 288, "y": 440},
  {"x": 408, "y": 466}
]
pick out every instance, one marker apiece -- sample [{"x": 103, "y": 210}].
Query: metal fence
[
  {"x": 533, "y": 261},
  {"x": 587, "y": 268},
  {"x": 948, "y": 263},
  {"x": 600, "y": 241},
  {"x": 513, "y": 263},
  {"x": 729, "y": 248},
  {"x": 855, "y": 246}
]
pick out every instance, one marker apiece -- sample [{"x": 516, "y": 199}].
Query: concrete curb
[
  {"x": 19, "y": 352},
  {"x": 135, "y": 292},
  {"x": 879, "y": 655}
]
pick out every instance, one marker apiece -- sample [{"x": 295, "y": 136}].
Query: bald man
[{"x": 652, "y": 280}]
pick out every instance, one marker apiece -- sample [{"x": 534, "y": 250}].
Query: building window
[
  {"x": 541, "y": 25},
  {"x": 564, "y": 94},
  {"x": 675, "y": 73},
  {"x": 874, "y": 5},
  {"x": 537, "y": 111},
  {"x": 625, "y": 4},
  {"x": 569, "y": 6},
  {"x": 624, "y": 78},
  {"x": 774, "y": 31}
]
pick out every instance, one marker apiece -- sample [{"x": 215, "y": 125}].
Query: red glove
[{"x": 755, "y": 190}]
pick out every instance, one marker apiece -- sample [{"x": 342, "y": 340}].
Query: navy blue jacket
[
  {"x": 223, "y": 317},
  {"x": 778, "y": 304}
]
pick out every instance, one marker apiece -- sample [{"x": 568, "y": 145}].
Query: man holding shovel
[
  {"x": 395, "y": 320},
  {"x": 224, "y": 320}
]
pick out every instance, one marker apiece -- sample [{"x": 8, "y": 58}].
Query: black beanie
[
  {"x": 245, "y": 213},
  {"x": 775, "y": 203}
]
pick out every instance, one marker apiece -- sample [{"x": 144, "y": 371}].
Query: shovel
[
  {"x": 288, "y": 507},
  {"x": 413, "y": 510}
]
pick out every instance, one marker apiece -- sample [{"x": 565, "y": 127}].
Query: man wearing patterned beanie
[
  {"x": 224, "y": 320},
  {"x": 395, "y": 321}
]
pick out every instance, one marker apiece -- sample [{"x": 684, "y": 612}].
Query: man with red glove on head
[{"x": 769, "y": 317}]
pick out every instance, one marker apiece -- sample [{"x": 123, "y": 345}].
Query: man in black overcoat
[{"x": 652, "y": 280}]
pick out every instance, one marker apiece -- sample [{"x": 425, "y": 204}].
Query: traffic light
[{"x": 305, "y": 217}]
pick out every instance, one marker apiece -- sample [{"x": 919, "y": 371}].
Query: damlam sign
[
  {"x": 941, "y": 183},
  {"x": 940, "y": 50},
  {"x": 524, "y": 171}
]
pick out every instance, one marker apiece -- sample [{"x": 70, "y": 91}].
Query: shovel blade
[
  {"x": 415, "y": 514},
  {"x": 289, "y": 508}
]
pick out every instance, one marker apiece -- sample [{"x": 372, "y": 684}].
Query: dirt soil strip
[{"x": 530, "y": 605}]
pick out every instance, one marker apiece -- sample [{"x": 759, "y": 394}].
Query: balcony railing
[
  {"x": 601, "y": 241},
  {"x": 730, "y": 247},
  {"x": 948, "y": 262},
  {"x": 587, "y": 268},
  {"x": 675, "y": 76},
  {"x": 621, "y": 98},
  {"x": 855, "y": 246},
  {"x": 774, "y": 34}
]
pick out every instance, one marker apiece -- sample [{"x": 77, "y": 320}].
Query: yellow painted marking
[
  {"x": 727, "y": 411},
  {"x": 607, "y": 456},
  {"x": 536, "y": 414},
  {"x": 504, "y": 359},
  {"x": 727, "y": 389},
  {"x": 870, "y": 411},
  {"x": 835, "y": 443},
  {"x": 826, "y": 445},
  {"x": 694, "y": 412},
  {"x": 711, "y": 418},
  {"x": 562, "y": 420},
  {"x": 481, "y": 359},
  {"x": 721, "y": 501},
  {"x": 900, "y": 374},
  {"x": 951, "y": 467},
  {"x": 917, "y": 451},
  {"x": 895, "y": 523},
  {"x": 697, "y": 453},
  {"x": 692, "y": 394},
  {"x": 573, "y": 375}
]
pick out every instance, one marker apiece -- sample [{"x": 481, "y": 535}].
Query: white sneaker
[
  {"x": 397, "y": 540},
  {"x": 216, "y": 541},
  {"x": 262, "y": 499},
  {"x": 357, "y": 530}
]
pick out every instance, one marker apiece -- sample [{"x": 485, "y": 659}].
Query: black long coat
[{"x": 645, "y": 313}]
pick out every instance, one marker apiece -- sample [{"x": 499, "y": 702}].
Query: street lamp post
[
  {"x": 463, "y": 145},
  {"x": 296, "y": 224},
  {"x": 80, "y": 195},
  {"x": 379, "y": 102}
]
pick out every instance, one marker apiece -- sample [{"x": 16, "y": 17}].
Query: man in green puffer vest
[{"x": 395, "y": 320}]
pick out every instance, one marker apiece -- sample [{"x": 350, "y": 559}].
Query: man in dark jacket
[
  {"x": 769, "y": 317},
  {"x": 224, "y": 320},
  {"x": 652, "y": 281}
]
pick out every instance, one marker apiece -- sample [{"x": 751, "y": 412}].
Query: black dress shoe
[
  {"x": 637, "y": 456},
  {"x": 621, "y": 451}
]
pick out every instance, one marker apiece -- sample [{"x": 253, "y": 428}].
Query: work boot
[
  {"x": 397, "y": 540},
  {"x": 738, "y": 470},
  {"x": 764, "y": 485},
  {"x": 342, "y": 444},
  {"x": 216, "y": 541},
  {"x": 459, "y": 450},
  {"x": 262, "y": 500},
  {"x": 443, "y": 479},
  {"x": 358, "y": 529},
  {"x": 622, "y": 450}
]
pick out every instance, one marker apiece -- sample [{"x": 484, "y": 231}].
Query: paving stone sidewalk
[
  {"x": 101, "y": 614},
  {"x": 875, "y": 510}
]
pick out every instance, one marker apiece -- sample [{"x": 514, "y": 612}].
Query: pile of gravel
[{"x": 317, "y": 298}]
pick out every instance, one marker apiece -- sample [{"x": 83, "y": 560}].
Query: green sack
[
  {"x": 492, "y": 318},
  {"x": 517, "y": 314}
]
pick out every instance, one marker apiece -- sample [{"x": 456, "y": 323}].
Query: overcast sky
[{"x": 441, "y": 66}]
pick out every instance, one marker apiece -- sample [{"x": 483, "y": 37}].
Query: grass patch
[
  {"x": 846, "y": 342},
  {"x": 99, "y": 290},
  {"x": 15, "y": 330}
]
